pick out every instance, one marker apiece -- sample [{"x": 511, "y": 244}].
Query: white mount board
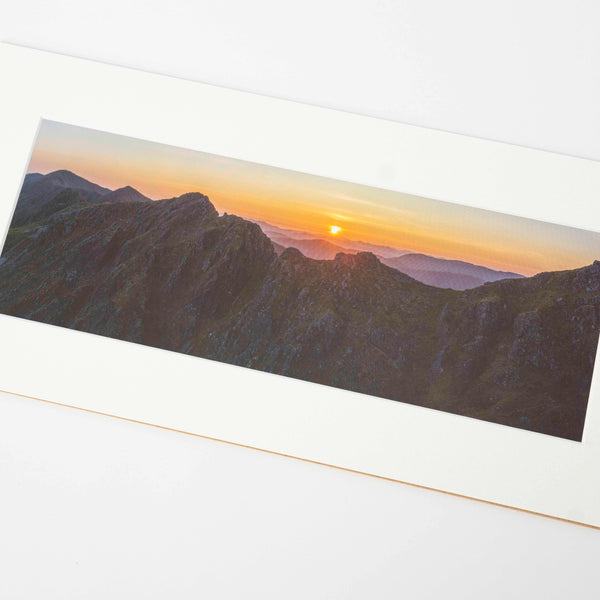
[{"x": 407, "y": 443}]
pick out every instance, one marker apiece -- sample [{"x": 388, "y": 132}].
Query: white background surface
[{"x": 98, "y": 507}]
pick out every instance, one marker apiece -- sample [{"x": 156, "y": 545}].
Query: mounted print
[
  {"x": 452, "y": 308},
  {"x": 396, "y": 301}
]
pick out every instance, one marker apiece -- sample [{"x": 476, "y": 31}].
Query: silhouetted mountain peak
[
  {"x": 291, "y": 254},
  {"x": 30, "y": 177},
  {"x": 193, "y": 205},
  {"x": 125, "y": 194},
  {"x": 63, "y": 173},
  {"x": 65, "y": 178},
  {"x": 361, "y": 260},
  {"x": 194, "y": 196},
  {"x": 127, "y": 189}
]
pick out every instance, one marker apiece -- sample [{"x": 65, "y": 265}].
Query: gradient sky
[{"x": 310, "y": 203}]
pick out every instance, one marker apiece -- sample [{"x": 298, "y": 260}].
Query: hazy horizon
[{"x": 315, "y": 204}]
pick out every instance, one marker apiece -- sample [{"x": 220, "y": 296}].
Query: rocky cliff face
[{"x": 173, "y": 274}]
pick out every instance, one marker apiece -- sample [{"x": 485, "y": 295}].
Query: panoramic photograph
[{"x": 448, "y": 307}]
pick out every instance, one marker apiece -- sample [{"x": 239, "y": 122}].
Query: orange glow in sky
[{"x": 310, "y": 204}]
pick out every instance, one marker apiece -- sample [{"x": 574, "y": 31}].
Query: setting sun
[{"x": 334, "y": 229}]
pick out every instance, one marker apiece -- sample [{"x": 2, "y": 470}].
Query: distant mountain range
[
  {"x": 287, "y": 235},
  {"x": 174, "y": 274},
  {"x": 454, "y": 274},
  {"x": 312, "y": 248}
]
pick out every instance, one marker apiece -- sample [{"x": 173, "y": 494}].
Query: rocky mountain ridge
[{"x": 173, "y": 274}]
